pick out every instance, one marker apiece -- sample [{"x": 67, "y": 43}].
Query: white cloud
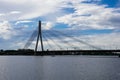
[
  {"x": 15, "y": 12},
  {"x": 23, "y": 21},
  {"x": 27, "y": 9},
  {"x": 106, "y": 41},
  {"x": 2, "y": 14},
  {"x": 91, "y": 16},
  {"x": 9, "y": 16},
  {"x": 6, "y": 30},
  {"x": 47, "y": 25}
]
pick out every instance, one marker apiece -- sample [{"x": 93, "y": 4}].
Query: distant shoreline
[{"x": 30, "y": 52}]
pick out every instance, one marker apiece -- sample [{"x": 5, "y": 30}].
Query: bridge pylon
[{"x": 39, "y": 37}]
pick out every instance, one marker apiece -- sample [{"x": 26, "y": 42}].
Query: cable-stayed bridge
[{"x": 58, "y": 42}]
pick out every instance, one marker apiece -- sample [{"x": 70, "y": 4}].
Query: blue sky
[{"x": 93, "y": 21}]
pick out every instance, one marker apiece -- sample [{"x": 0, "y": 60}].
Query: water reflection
[{"x": 59, "y": 68}]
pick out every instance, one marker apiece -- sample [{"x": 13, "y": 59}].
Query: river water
[{"x": 59, "y": 68}]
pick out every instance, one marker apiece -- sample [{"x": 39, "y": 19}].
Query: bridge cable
[
  {"x": 49, "y": 37},
  {"x": 77, "y": 40},
  {"x": 60, "y": 36},
  {"x": 46, "y": 40},
  {"x": 29, "y": 42}
]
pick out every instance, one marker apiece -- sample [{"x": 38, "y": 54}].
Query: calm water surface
[{"x": 59, "y": 68}]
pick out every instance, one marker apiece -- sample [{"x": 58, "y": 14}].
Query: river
[{"x": 59, "y": 68}]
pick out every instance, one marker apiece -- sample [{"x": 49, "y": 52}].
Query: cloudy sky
[{"x": 93, "y": 22}]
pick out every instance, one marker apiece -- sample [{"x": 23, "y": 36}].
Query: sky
[{"x": 96, "y": 22}]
